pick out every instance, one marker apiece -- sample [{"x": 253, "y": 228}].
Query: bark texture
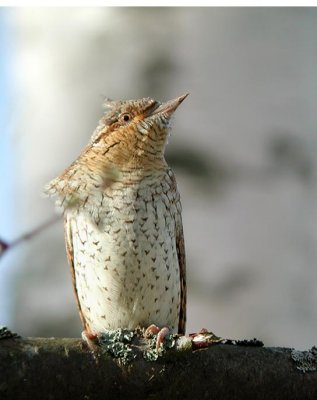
[{"x": 64, "y": 369}]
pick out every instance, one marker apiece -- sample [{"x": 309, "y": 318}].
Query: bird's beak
[{"x": 169, "y": 107}]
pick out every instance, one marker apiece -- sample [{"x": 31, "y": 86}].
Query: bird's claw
[{"x": 160, "y": 332}]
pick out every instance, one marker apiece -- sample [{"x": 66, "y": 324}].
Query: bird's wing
[
  {"x": 180, "y": 247},
  {"x": 70, "y": 256}
]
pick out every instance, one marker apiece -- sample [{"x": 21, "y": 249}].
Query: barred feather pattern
[{"x": 123, "y": 225}]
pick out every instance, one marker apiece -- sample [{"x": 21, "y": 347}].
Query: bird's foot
[
  {"x": 160, "y": 332},
  {"x": 91, "y": 340}
]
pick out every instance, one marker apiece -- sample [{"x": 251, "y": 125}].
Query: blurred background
[{"x": 243, "y": 147}]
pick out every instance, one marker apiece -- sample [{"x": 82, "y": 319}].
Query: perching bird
[{"x": 123, "y": 224}]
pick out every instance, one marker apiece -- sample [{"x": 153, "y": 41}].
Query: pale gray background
[{"x": 243, "y": 148}]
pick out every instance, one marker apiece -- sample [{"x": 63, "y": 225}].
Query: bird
[{"x": 123, "y": 223}]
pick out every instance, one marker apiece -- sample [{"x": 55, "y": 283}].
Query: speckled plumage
[{"x": 123, "y": 225}]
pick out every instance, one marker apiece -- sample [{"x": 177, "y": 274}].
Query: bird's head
[
  {"x": 134, "y": 131},
  {"x": 131, "y": 136}
]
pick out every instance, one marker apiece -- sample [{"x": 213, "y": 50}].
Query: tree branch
[
  {"x": 65, "y": 369},
  {"x": 5, "y": 246}
]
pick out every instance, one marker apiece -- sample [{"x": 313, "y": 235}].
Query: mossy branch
[{"x": 65, "y": 369}]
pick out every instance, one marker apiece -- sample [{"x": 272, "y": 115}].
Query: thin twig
[{"x": 5, "y": 246}]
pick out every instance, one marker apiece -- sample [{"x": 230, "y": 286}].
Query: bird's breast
[{"x": 125, "y": 257}]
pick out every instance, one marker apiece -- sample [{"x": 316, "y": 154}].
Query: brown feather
[
  {"x": 180, "y": 247},
  {"x": 70, "y": 257}
]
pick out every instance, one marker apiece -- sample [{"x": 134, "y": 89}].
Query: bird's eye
[{"x": 125, "y": 118}]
